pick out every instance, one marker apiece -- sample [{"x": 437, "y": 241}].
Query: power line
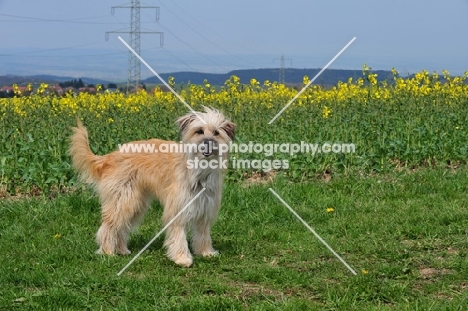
[
  {"x": 49, "y": 50},
  {"x": 178, "y": 58},
  {"x": 244, "y": 48},
  {"x": 201, "y": 34},
  {"x": 210, "y": 59},
  {"x": 71, "y": 21}
]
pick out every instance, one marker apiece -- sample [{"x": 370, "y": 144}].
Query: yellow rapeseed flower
[
  {"x": 372, "y": 78},
  {"x": 254, "y": 82},
  {"x": 171, "y": 81}
]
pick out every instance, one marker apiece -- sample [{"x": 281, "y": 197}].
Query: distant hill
[
  {"x": 329, "y": 77},
  {"x": 292, "y": 76},
  {"x": 11, "y": 79}
]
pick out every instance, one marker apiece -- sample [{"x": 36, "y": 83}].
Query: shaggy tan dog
[{"x": 127, "y": 179}]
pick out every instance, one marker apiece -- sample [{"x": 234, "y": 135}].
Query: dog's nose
[{"x": 208, "y": 146}]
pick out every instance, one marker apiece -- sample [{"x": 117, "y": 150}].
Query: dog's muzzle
[{"x": 207, "y": 147}]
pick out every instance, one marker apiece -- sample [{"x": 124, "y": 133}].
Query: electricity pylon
[
  {"x": 134, "y": 66},
  {"x": 282, "y": 70}
]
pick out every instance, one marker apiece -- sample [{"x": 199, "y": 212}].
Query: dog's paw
[
  {"x": 184, "y": 261},
  {"x": 101, "y": 251},
  {"x": 124, "y": 252},
  {"x": 210, "y": 253}
]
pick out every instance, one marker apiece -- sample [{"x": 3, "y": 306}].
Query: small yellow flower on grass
[
  {"x": 57, "y": 236},
  {"x": 364, "y": 271},
  {"x": 330, "y": 210}
]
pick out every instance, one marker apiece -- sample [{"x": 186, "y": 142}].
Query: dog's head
[{"x": 207, "y": 130}]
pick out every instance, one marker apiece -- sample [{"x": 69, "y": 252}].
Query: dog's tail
[{"x": 88, "y": 165}]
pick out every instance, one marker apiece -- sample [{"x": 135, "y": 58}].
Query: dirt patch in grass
[
  {"x": 429, "y": 273},
  {"x": 35, "y": 192},
  {"x": 453, "y": 251},
  {"x": 260, "y": 178},
  {"x": 3, "y": 191},
  {"x": 252, "y": 289},
  {"x": 246, "y": 291}
]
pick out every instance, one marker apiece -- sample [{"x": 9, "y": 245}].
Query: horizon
[{"x": 61, "y": 79}]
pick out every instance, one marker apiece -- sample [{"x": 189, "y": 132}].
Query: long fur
[
  {"x": 84, "y": 161},
  {"x": 126, "y": 182}
]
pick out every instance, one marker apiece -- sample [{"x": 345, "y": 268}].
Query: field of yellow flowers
[{"x": 406, "y": 122}]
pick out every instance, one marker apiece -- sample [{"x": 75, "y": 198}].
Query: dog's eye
[
  {"x": 215, "y": 133},
  {"x": 200, "y": 132}
]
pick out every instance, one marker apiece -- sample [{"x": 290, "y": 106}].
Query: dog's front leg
[
  {"x": 201, "y": 239},
  {"x": 177, "y": 246}
]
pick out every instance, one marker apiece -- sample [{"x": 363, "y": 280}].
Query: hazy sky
[{"x": 68, "y": 37}]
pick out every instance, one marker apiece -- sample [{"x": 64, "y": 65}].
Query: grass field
[{"x": 405, "y": 233}]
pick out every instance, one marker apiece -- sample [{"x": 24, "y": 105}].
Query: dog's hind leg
[
  {"x": 113, "y": 234},
  {"x": 120, "y": 212}
]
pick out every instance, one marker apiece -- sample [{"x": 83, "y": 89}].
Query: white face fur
[{"x": 209, "y": 135}]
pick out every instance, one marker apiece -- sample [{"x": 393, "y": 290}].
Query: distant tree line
[{"x": 73, "y": 83}]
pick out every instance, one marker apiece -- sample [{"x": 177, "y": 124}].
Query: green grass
[{"x": 407, "y": 229}]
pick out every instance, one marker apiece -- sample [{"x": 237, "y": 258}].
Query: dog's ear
[
  {"x": 185, "y": 121},
  {"x": 229, "y": 128}
]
